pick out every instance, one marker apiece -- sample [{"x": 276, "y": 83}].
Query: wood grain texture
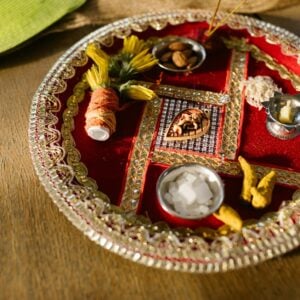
[{"x": 43, "y": 256}]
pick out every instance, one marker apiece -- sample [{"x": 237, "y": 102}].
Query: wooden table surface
[{"x": 43, "y": 256}]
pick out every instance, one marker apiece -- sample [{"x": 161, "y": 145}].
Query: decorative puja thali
[{"x": 107, "y": 189}]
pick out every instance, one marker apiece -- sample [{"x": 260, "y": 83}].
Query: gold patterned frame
[
  {"x": 230, "y": 133},
  {"x": 243, "y": 46},
  {"x": 133, "y": 237}
]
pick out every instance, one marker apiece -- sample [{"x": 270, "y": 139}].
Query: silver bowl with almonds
[{"x": 178, "y": 54}]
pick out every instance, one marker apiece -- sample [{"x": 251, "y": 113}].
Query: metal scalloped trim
[
  {"x": 161, "y": 249},
  {"x": 271, "y": 63}
]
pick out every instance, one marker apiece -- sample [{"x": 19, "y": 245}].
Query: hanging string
[
  {"x": 213, "y": 17},
  {"x": 211, "y": 30}
]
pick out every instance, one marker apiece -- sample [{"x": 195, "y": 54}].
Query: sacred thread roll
[{"x": 100, "y": 119}]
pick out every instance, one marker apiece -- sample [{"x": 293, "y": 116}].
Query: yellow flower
[
  {"x": 97, "y": 55},
  {"x": 137, "y": 92},
  {"x": 142, "y": 62},
  {"x": 97, "y": 77},
  {"x": 133, "y": 45}
]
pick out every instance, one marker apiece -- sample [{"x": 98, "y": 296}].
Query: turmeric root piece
[
  {"x": 224, "y": 229},
  {"x": 249, "y": 181},
  {"x": 230, "y": 217},
  {"x": 262, "y": 195}
]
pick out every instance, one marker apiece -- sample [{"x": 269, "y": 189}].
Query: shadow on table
[
  {"x": 293, "y": 253},
  {"x": 292, "y": 25}
]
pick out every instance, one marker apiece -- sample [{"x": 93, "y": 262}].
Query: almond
[
  {"x": 177, "y": 46},
  {"x": 192, "y": 61},
  {"x": 166, "y": 56},
  {"x": 169, "y": 65},
  {"x": 179, "y": 59},
  {"x": 187, "y": 52}
]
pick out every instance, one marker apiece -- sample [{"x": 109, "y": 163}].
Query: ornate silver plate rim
[{"x": 142, "y": 242}]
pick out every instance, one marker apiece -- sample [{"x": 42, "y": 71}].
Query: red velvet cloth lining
[
  {"x": 69, "y": 91},
  {"x": 107, "y": 162},
  {"x": 275, "y": 51},
  {"x": 211, "y": 76},
  {"x": 150, "y": 205},
  {"x": 257, "y": 143}
]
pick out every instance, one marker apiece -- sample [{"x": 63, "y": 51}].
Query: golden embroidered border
[
  {"x": 72, "y": 154},
  {"x": 233, "y": 102},
  {"x": 258, "y": 54},
  {"x": 233, "y": 111},
  {"x": 224, "y": 166},
  {"x": 188, "y": 94},
  {"x": 140, "y": 152},
  {"x": 138, "y": 165}
]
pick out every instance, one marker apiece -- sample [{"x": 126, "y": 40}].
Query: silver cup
[
  {"x": 214, "y": 180},
  {"x": 275, "y": 127}
]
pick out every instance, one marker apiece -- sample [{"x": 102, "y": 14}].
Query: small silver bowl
[
  {"x": 213, "y": 180},
  {"x": 162, "y": 47},
  {"x": 275, "y": 127}
]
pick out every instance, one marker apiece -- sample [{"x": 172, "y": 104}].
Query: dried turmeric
[
  {"x": 224, "y": 229},
  {"x": 249, "y": 181},
  {"x": 230, "y": 217},
  {"x": 262, "y": 195}
]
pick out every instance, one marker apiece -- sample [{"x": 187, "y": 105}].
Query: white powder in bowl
[
  {"x": 189, "y": 194},
  {"x": 259, "y": 89}
]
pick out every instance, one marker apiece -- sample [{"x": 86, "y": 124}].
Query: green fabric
[{"x": 22, "y": 19}]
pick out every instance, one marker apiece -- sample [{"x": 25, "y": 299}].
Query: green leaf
[{"x": 22, "y": 19}]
